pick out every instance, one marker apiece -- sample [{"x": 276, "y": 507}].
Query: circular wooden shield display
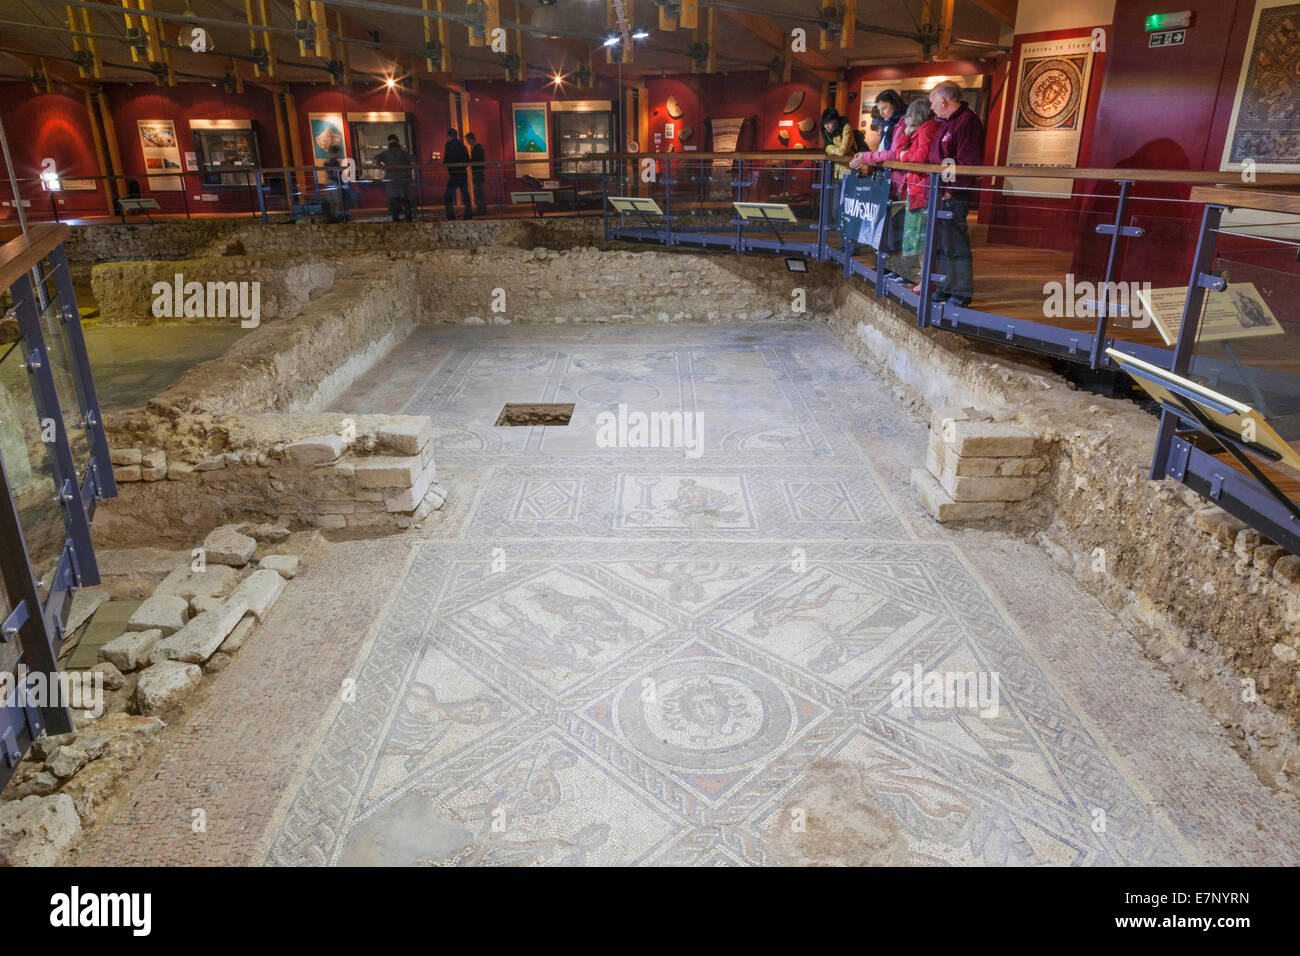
[
  {"x": 794, "y": 102},
  {"x": 674, "y": 108}
]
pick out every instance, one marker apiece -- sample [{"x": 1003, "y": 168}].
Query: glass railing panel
[
  {"x": 73, "y": 401},
  {"x": 29, "y": 466},
  {"x": 1248, "y": 338}
]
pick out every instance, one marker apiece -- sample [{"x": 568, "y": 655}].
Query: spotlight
[
  {"x": 558, "y": 79},
  {"x": 612, "y": 38},
  {"x": 391, "y": 83},
  {"x": 640, "y": 33},
  {"x": 796, "y": 265}
]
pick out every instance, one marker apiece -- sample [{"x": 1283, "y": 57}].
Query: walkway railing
[
  {"x": 1083, "y": 265},
  {"x": 55, "y": 466}
]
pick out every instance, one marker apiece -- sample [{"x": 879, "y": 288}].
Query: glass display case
[
  {"x": 225, "y": 143},
  {"x": 581, "y": 128},
  {"x": 369, "y": 134}
]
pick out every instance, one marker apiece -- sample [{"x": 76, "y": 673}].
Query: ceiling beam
[
  {"x": 1003, "y": 11},
  {"x": 773, "y": 36}
]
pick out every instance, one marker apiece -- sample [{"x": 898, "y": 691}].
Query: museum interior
[{"x": 389, "y": 481}]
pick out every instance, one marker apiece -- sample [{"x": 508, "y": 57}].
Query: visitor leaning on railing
[
  {"x": 911, "y": 144},
  {"x": 960, "y": 138}
]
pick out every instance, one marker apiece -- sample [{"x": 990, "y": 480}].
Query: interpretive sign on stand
[{"x": 864, "y": 209}]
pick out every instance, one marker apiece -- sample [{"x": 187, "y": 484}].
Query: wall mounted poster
[
  {"x": 326, "y": 130},
  {"x": 532, "y": 140},
  {"x": 1048, "y": 109},
  {"x": 162, "y": 154},
  {"x": 1265, "y": 124}
]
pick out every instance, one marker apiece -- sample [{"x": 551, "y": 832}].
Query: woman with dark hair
[
  {"x": 837, "y": 133},
  {"x": 890, "y": 106}
]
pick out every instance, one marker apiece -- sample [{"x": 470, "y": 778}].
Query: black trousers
[
  {"x": 480, "y": 197},
  {"x": 455, "y": 183},
  {"x": 399, "y": 207},
  {"x": 952, "y": 256}
]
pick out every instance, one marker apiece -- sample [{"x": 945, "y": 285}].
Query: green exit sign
[{"x": 1169, "y": 21}]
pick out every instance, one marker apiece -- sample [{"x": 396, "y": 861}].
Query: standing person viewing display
[
  {"x": 456, "y": 158},
  {"x": 397, "y": 164},
  {"x": 477, "y": 156},
  {"x": 960, "y": 137}
]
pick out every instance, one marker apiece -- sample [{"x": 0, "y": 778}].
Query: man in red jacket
[{"x": 960, "y": 137}]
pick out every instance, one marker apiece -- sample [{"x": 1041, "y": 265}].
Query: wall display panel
[
  {"x": 582, "y": 128},
  {"x": 225, "y": 143},
  {"x": 1048, "y": 109},
  {"x": 1265, "y": 124},
  {"x": 532, "y": 140},
  {"x": 326, "y": 131},
  {"x": 369, "y": 134},
  {"x": 161, "y": 153}
]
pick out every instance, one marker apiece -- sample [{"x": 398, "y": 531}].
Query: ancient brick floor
[{"x": 632, "y": 655}]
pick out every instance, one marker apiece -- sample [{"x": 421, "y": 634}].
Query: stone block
[
  {"x": 123, "y": 474},
  {"x": 125, "y": 456},
  {"x": 184, "y": 582},
  {"x": 410, "y": 499},
  {"x": 406, "y": 436},
  {"x": 130, "y": 651},
  {"x": 946, "y": 413},
  {"x": 1267, "y": 555},
  {"x": 228, "y": 545},
  {"x": 112, "y": 678},
  {"x": 180, "y": 471},
  {"x": 38, "y": 831},
  {"x": 163, "y": 687},
  {"x": 973, "y": 488},
  {"x": 200, "y": 638},
  {"x": 941, "y": 505},
  {"x": 331, "y": 522},
  {"x": 1018, "y": 467},
  {"x": 258, "y": 593},
  {"x": 315, "y": 451},
  {"x": 285, "y": 565},
  {"x": 163, "y": 612},
  {"x": 971, "y": 439},
  {"x": 216, "y": 463},
  {"x": 240, "y": 634},
  {"x": 1287, "y": 569},
  {"x": 1217, "y": 523},
  {"x": 382, "y": 471}
]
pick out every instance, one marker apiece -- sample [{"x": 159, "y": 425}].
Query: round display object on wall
[
  {"x": 1051, "y": 92},
  {"x": 685, "y": 133},
  {"x": 783, "y": 136},
  {"x": 674, "y": 108},
  {"x": 794, "y": 102},
  {"x": 806, "y": 125}
]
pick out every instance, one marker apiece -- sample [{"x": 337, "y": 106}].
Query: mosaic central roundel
[
  {"x": 705, "y": 714},
  {"x": 1050, "y": 95}
]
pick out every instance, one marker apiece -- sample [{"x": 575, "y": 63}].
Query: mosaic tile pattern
[
  {"x": 602, "y": 656},
  {"x": 632, "y": 654}
]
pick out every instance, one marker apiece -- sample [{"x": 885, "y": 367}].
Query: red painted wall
[
  {"x": 180, "y": 104},
  {"x": 54, "y": 124}
]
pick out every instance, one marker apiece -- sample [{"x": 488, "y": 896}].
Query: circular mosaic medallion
[
  {"x": 705, "y": 714},
  {"x": 1050, "y": 93}
]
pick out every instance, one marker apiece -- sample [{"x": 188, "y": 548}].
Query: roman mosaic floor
[{"x": 634, "y": 656}]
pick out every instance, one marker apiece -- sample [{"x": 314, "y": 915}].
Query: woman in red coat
[{"x": 911, "y": 145}]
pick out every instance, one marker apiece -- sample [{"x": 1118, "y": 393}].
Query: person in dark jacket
[
  {"x": 960, "y": 138},
  {"x": 477, "y": 157},
  {"x": 397, "y": 163},
  {"x": 456, "y": 157}
]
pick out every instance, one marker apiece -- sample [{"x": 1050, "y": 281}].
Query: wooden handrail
[
  {"x": 1242, "y": 198},
  {"x": 18, "y": 256}
]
